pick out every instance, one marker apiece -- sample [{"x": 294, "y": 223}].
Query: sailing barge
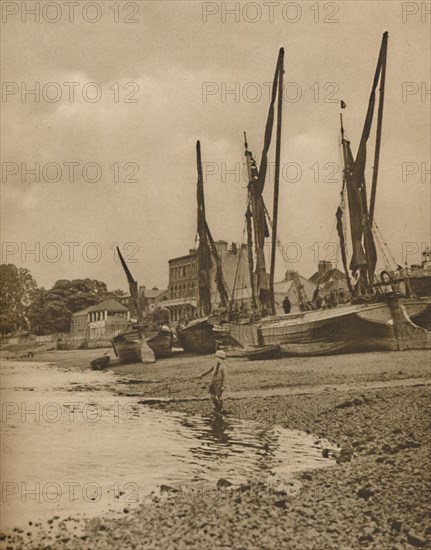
[
  {"x": 144, "y": 341},
  {"x": 198, "y": 335},
  {"x": 130, "y": 346},
  {"x": 378, "y": 318}
]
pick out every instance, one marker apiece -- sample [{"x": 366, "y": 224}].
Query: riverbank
[{"x": 376, "y": 496}]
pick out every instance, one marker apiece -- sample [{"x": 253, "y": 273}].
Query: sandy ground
[{"x": 376, "y": 406}]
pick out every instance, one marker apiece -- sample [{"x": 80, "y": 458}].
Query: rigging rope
[
  {"x": 299, "y": 288},
  {"x": 378, "y": 233}
]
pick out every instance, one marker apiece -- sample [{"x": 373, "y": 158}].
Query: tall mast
[
  {"x": 248, "y": 215},
  {"x": 339, "y": 214},
  {"x": 204, "y": 257},
  {"x": 276, "y": 177},
  {"x": 256, "y": 187},
  {"x": 364, "y": 254},
  {"x": 383, "y": 56},
  {"x": 206, "y": 249}
]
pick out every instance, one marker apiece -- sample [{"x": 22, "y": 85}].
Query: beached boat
[
  {"x": 130, "y": 346},
  {"x": 198, "y": 337},
  {"x": 143, "y": 341},
  {"x": 378, "y": 317},
  {"x": 159, "y": 339},
  {"x": 419, "y": 311},
  {"x": 419, "y": 276},
  {"x": 418, "y": 289},
  {"x": 344, "y": 329}
]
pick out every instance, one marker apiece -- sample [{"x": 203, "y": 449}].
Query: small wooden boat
[{"x": 100, "y": 363}]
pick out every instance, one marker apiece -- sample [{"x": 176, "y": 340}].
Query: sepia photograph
[{"x": 215, "y": 274}]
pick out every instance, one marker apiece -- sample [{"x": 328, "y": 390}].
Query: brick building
[{"x": 183, "y": 280}]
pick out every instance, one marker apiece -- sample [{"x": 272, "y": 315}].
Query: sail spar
[
  {"x": 133, "y": 287},
  {"x": 204, "y": 254},
  {"x": 256, "y": 185},
  {"x": 207, "y": 251},
  {"x": 364, "y": 255}
]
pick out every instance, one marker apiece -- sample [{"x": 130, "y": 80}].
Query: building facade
[
  {"x": 149, "y": 299},
  {"x": 101, "y": 321},
  {"x": 293, "y": 286},
  {"x": 182, "y": 299},
  {"x": 184, "y": 283},
  {"x": 331, "y": 283}
]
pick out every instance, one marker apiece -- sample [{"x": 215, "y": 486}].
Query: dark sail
[
  {"x": 220, "y": 282},
  {"x": 248, "y": 217},
  {"x": 204, "y": 253},
  {"x": 358, "y": 178},
  {"x": 256, "y": 186},
  {"x": 340, "y": 231},
  {"x": 356, "y": 212}
]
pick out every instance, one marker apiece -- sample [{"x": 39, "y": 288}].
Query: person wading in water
[{"x": 218, "y": 382}]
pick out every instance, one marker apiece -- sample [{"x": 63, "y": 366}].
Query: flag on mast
[{"x": 342, "y": 104}]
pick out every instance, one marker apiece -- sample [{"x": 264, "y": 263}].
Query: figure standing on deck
[
  {"x": 218, "y": 381},
  {"x": 287, "y": 306}
]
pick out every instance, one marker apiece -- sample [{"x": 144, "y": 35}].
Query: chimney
[{"x": 323, "y": 268}]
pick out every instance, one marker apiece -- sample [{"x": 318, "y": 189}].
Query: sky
[{"x": 126, "y": 89}]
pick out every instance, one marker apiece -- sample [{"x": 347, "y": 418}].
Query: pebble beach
[{"x": 374, "y": 408}]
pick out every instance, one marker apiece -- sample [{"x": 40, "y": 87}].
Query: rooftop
[
  {"x": 154, "y": 292},
  {"x": 82, "y": 311},
  {"x": 323, "y": 278},
  {"x": 108, "y": 305}
]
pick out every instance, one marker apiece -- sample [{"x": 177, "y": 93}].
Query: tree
[
  {"x": 116, "y": 294},
  {"x": 17, "y": 289},
  {"x": 49, "y": 313},
  {"x": 51, "y": 310}
]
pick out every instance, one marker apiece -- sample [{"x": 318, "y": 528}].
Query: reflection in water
[
  {"x": 244, "y": 450},
  {"x": 89, "y": 436},
  {"x": 218, "y": 429}
]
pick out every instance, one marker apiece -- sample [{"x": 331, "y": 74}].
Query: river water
[{"x": 71, "y": 447}]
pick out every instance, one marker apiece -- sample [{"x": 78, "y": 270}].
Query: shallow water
[{"x": 69, "y": 446}]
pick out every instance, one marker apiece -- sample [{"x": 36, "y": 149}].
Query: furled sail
[
  {"x": 340, "y": 231},
  {"x": 219, "y": 278},
  {"x": 356, "y": 211},
  {"x": 207, "y": 251},
  {"x": 364, "y": 255},
  {"x": 256, "y": 186},
  {"x": 204, "y": 253}
]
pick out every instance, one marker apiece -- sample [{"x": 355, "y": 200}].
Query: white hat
[{"x": 220, "y": 354}]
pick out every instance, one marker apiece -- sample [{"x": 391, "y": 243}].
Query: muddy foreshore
[{"x": 376, "y": 496}]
